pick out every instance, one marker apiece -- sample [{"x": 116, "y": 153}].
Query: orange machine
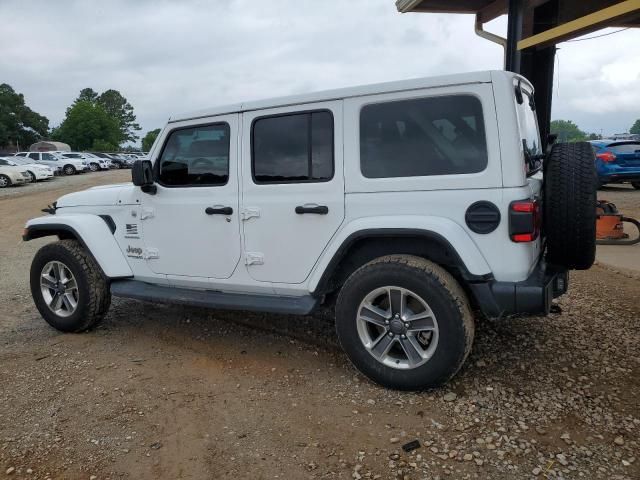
[{"x": 610, "y": 225}]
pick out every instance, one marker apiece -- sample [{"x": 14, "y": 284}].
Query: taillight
[
  {"x": 607, "y": 157},
  {"x": 525, "y": 220}
]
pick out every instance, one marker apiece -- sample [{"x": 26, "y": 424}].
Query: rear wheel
[
  {"x": 68, "y": 287},
  {"x": 404, "y": 322},
  {"x": 4, "y": 181},
  {"x": 636, "y": 185},
  {"x": 69, "y": 170},
  {"x": 570, "y": 185}
]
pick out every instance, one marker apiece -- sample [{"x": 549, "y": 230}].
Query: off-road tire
[
  {"x": 94, "y": 296},
  {"x": 570, "y": 196},
  {"x": 69, "y": 170},
  {"x": 636, "y": 185},
  {"x": 4, "y": 181},
  {"x": 444, "y": 296}
]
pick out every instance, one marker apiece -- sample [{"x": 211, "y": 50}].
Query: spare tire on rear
[{"x": 570, "y": 185}]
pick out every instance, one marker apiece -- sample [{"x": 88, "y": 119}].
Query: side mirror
[{"x": 142, "y": 176}]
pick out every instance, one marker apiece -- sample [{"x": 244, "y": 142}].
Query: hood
[
  {"x": 103, "y": 195},
  {"x": 10, "y": 169}
]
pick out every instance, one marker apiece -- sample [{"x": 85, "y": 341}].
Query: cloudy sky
[{"x": 168, "y": 56}]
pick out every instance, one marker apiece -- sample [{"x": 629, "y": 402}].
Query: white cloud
[{"x": 167, "y": 57}]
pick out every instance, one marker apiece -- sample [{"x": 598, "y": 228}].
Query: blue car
[{"x": 618, "y": 161}]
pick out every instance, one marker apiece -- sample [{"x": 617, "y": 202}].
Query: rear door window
[
  {"x": 423, "y": 136},
  {"x": 293, "y": 148},
  {"x": 35, "y": 156}
]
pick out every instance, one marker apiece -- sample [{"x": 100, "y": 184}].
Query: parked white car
[
  {"x": 69, "y": 166},
  {"x": 95, "y": 163},
  {"x": 403, "y": 207},
  {"x": 13, "y": 175},
  {"x": 36, "y": 171}
]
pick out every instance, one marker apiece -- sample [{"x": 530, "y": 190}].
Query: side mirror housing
[{"x": 142, "y": 176}]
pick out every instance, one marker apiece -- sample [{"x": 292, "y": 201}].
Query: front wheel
[
  {"x": 68, "y": 287},
  {"x": 636, "y": 185},
  {"x": 404, "y": 322},
  {"x": 94, "y": 167},
  {"x": 4, "y": 181},
  {"x": 32, "y": 176},
  {"x": 69, "y": 170}
]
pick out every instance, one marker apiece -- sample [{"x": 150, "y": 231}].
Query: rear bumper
[
  {"x": 620, "y": 177},
  {"x": 532, "y": 296}
]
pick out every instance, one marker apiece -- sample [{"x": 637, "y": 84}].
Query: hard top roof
[{"x": 357, "y": 91}]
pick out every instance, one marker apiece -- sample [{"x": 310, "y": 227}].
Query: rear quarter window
[{"x": 423, "y": 137}]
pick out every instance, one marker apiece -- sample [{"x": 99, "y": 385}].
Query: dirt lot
[{"x": 167, "y": 392}]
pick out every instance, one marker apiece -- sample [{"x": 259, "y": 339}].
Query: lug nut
[
  {"x": 406, "y": 325},
  {"x": 404, "y": 336},
  {"x": 391, "y": 334}
]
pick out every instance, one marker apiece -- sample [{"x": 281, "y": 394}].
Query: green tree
[
  {"x": 19, "y": 125},
  {"x": 121, "y": 110},
  {"x": 567, "y": 131},
  {"x": 85, "y": 124},
  {"x": 149, "y": 138},
  {"x": 635, "y": 128},
  {"x": 100, "y": 145},
  {"x": 87, "y": 95}
]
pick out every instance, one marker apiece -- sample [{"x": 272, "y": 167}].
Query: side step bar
[{"x": 213, "y": 299}]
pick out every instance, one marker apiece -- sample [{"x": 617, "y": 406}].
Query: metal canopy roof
[{"x": 574, "y": 17}]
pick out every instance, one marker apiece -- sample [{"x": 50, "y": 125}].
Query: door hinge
[
  {"x": 147, "y": 213},
  {"x": 249, "y": 212},
  {"x": 150, "y": 253},
  {"x": 254, "y": 258}
]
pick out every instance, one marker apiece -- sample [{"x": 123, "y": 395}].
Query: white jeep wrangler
[{"x": 407, "y": 206}]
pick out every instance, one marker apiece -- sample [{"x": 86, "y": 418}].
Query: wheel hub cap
[
  {"x": 397, "y": 327},
  {"x": 59, "y": 288}
]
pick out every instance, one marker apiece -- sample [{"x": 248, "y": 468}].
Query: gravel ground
[{"x": 171, "y": 392}]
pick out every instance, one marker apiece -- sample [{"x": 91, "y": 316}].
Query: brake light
[
  {"x": 525, "y": 221},
  {"x": 607, "y": 157}
]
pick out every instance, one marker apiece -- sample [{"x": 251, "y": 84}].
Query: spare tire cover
[{"x": 570, "y": 186}]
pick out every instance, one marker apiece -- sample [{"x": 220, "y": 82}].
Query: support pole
[{"x": 514, "y": 35}]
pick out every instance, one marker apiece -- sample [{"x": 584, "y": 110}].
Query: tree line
[
  {"x": 94, "y": 121},
  {"x": 106, "y": 121},
  {"x": 568, "y": 131}
]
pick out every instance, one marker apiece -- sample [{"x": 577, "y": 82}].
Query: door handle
[
  {"x": 218, "y": 211},
  {"x": 317, "y": 209}
]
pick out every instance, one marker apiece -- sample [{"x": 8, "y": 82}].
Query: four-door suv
[
  {"x": 407, "y": 206},
  {"x": 69, "y": 166}
]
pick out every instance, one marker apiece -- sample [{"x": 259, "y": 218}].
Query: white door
[
  {"x": 190, "y": 226},
  {"x": 292, "y": 188}
]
